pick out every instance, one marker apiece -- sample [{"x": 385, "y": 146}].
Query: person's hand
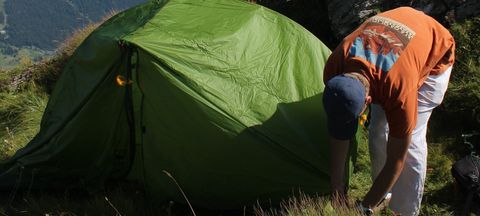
[
  {"x": 384, "y": 203},
  {"x": 370, "y": 211},
  {"x": 396, "y": 156},
  {"x": 363, "y": 210}
]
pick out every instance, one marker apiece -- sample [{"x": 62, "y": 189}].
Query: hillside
[
  {"x": 24, "y": 93},
  {"x": 36, "y": 27},
  {"x": 2, "y": 15}
]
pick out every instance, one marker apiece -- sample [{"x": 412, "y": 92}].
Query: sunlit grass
[
  {"x": 24, "y": 94},
  {"x": 303, "y": 205},
  {"x": 20, "y": 115}
]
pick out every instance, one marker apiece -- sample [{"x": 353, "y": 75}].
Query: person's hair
[{"x": 362, "y": 79}]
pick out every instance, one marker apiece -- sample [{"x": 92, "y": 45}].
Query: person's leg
[
  {"x": 408, "y": 190},
  {"x": 377, "y": 139}
]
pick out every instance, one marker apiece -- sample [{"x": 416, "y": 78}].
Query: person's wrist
[{"x": 364, "y": 210}]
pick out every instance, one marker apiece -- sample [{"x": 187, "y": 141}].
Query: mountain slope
[{"x": 42, "y": 24}]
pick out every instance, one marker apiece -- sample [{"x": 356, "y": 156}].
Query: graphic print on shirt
[{"x": 381, "y": 42}]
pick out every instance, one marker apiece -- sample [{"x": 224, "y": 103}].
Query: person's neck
[{"x": 360, "y": 78}]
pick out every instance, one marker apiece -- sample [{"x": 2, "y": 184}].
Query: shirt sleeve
[
  {"x": 446, "y": 61},
  {"x": 401, "y": 105},
  {"x": 445, "y": 44}
]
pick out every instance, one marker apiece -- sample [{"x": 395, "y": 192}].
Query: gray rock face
[
  {"x": 332, "y": 20},
  {"x": 346, "y": 15},
  {"x": 466, "y": 8},
  {"x": 311, "y": 14}
]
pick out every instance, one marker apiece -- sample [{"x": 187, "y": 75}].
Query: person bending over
[{"x": 399, "y": 61}]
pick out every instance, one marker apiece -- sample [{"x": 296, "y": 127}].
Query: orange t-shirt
[{"x": 396, "y": 51}]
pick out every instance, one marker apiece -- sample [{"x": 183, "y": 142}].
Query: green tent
[{"x": 223, "y": 95}]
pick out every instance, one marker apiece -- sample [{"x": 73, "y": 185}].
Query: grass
[
  {"x": 24, "y": 93},
  {"x": 20, "y": 115},
  {"x": 129, "y": 200},
  {"x": 303, "y": 205},
  {"x": 119, "y": 200}
]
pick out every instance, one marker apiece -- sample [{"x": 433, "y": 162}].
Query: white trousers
[{"x": 408, "y": 190}]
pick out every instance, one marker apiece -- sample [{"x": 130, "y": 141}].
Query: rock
[
  {"x": 466, "y": 9},
  {"x": 332, "y": 20},
  {"x": 311, "y": 14},
  {"x": 346, "y": 15}
]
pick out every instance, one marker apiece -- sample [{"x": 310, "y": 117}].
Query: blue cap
[{"x": 343, "y": 100}]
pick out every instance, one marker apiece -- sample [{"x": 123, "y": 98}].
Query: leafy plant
[{"x": 460, "y": 110}]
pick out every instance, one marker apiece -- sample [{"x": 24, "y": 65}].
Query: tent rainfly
[{"x": 224, "y": 95}]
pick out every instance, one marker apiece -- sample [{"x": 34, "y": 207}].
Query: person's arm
[
  {"x": 338, "y": 159},
  {"x": 396, "y": 154}
]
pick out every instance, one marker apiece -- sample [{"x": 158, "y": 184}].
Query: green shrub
[
  {"x": 20, "y": 115},
  {"x": 460, "y": 111}
]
